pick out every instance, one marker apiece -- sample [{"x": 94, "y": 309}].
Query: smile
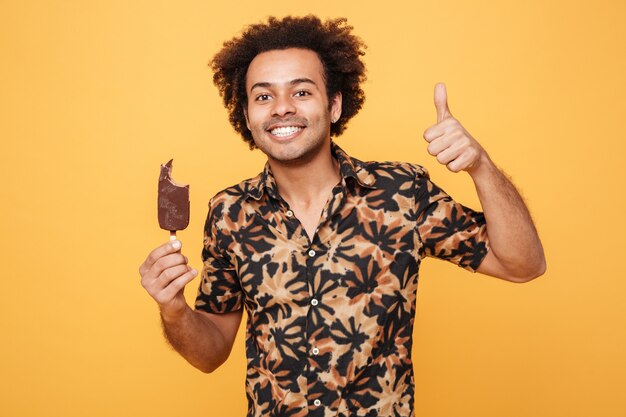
[{"x": 285, "y": 131}]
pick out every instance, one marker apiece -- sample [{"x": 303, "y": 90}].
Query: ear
[{"x": 335, "y": 107}]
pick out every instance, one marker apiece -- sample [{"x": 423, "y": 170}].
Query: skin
[
  {"x": 516, "y": 253},
  {"x": 286, "y": 88},
  {"x": 203, "y": 339}
]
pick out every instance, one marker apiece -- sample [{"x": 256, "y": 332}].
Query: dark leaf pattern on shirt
[{"x": 330, "y": 318}]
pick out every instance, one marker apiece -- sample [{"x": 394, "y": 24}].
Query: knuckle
[
  {"x": 158, "y": 266},
  {"x": 152, "y": 258},
  {"x": 161, "y": 263},
  {"x": 172, "y": 289},
  {"x": 178, "y": 285},
  {"x": 169, "y": 274}
]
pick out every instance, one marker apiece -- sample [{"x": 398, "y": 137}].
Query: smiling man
[{"x": 323, "y": 250}]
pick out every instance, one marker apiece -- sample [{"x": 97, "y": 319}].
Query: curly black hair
[{"x": 338, "y": 49}]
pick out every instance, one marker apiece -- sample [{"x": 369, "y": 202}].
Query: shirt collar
[{"x": 348, "y": 168}]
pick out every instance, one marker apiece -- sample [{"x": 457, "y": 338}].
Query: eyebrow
[{"x": 292, "y": 83}]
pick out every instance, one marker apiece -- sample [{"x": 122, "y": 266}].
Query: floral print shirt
[{"x": 330, "y": 319}]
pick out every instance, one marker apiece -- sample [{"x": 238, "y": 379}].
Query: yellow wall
[{"x": 94, "y": 95}]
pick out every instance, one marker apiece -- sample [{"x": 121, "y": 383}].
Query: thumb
[{"x": 441, "y": 102}]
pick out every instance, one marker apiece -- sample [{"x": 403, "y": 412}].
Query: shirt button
[
  {"x": 289, "y": 213},
  {"x": 311, "y": 253},
  {"x": 316, "y": 351},
  {"x": 314, "y": 301},
  {"x": 317, "y": 403}
]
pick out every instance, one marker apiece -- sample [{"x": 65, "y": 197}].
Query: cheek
[
  {"x": 317, "y": 111},
  {"x": 254, "y": 119}
]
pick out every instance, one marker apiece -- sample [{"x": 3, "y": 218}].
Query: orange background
[{"x": 94, "y": 95}]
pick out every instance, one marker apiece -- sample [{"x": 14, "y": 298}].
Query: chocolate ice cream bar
[{"x": 173, "y": 202}]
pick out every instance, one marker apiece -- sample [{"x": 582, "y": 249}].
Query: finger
[
  {"x": 166, "y": 262},
  {"x": 158, "y": 253},
  {"x": 178, "y": 284},
  {"x": 466, "y": 160},
  {"x": 460, "y": 163},
  {"x": 441, "y": 102},
  {"x": 170, "y": 274},
  {"x": 438, "y": 145},
  {"x": 154, "y": 286},
  {"x": 448, "y": 155},
  {"x": 433, "y": 132},
  {"x": 441, "y": 128}
]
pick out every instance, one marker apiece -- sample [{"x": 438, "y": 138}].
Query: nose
[{"x": 283, "y": 105}]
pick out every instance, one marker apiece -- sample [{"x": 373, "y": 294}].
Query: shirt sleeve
[
  {"x": 449, "y": 230},
  {"x": 219, "y": 290}
]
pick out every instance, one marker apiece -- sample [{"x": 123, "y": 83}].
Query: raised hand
[{"x": 448, "y": 140}]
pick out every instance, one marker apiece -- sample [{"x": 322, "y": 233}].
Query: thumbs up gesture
[{"x": 449, "y": 141}]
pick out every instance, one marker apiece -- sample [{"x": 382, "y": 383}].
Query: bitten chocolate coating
[{"x": 173, "y": 201}]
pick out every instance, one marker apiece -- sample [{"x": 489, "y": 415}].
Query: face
[{"x": 288, "y": 112}]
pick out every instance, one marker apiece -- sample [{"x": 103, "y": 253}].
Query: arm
[
  {"x": 516, "y": 252},
  {"x": 204, "y": 340}
]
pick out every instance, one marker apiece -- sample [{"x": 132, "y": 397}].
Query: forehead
[{"x": 284, "y": 65}]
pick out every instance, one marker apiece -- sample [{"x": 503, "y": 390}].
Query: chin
[{"x": 290, "y": 157}]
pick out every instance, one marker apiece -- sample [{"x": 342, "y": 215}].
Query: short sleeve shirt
[{"x": 330, "y": 319}]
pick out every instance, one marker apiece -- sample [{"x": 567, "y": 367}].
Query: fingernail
[
  {"x": 176, "y": 244},
  {"x": 194, "y": 271}
]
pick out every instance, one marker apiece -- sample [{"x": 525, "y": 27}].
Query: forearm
[
  {"x": 197, "y": 339},
  {"x": 513, "y": 238}
]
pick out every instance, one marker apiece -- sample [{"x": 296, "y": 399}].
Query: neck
[{"x": 304, "y": 181}]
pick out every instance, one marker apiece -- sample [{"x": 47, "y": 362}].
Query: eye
[
  {"x": 302, "y": 93},
  {"x": 262, "y": 97}
]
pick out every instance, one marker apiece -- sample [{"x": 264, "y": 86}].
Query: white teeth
[{"x": 285, "y": 131}]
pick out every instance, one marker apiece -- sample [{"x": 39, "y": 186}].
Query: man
[{"x": 321, "y": 249}]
